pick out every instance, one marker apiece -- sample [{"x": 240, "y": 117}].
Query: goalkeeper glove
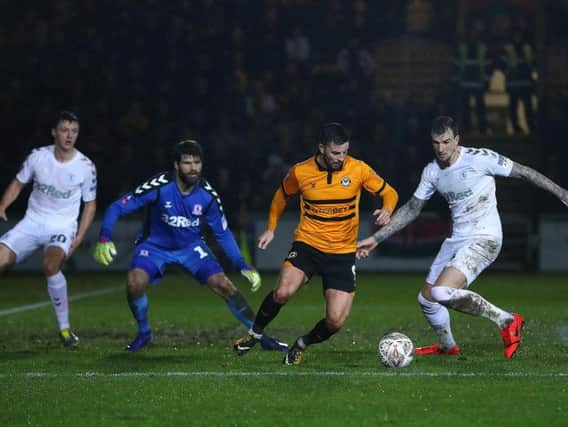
[
  {"x": 104, "y": 252},
  {"x": 253, "y": 277}
]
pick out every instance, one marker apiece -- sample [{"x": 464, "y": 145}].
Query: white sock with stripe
[
  {"x": 57, "y": 288},
  {"x": 438, "y": 317}
]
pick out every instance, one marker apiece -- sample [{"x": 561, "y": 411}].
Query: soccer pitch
[{"x": 190, "y": 375}]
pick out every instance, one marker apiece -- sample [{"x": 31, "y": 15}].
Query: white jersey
[
  {"x": 468, "y": 186},
  {"x": 58, "y": 187}
]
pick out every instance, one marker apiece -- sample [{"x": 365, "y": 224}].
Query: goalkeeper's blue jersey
[{"x": 174, "y": 220}]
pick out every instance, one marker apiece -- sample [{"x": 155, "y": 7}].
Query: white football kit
[
  {"x": 54, "y": 203},
  {"x": 468, "y": 186}
]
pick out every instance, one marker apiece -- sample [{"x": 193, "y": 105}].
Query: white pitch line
[
  {"x": 76, "y": 297},
  {"x": 284, "y": 374}
]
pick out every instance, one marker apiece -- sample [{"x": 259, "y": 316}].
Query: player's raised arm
[
  {"x": 378, "y": 187},
  {"x": 10, "y": 194},
  {"x": 277, "y": 207},
  {"x": 535, "y": 177},
  {"x": 389, "y": 197},
  {"x": 288, "y": 187},
  {"x": 401, "y": 218}
]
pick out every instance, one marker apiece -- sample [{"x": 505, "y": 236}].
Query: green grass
[{"x": 189, "y": 375}]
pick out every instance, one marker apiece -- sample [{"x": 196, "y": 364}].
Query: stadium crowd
[{"x": 252, "y": 81}]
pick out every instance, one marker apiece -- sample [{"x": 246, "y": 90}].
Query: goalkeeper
[{"x": 178, "y": 203}]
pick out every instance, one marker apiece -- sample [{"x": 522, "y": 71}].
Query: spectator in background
[
  {"x": 134, "y": 121},
  {"x": 297, "y": 46},
  {"x": 472, "y": 73},
  {"x": 356, "y": 61},
  {"x": 519, "y": 60},
  {"x": 356, "y": 67}
]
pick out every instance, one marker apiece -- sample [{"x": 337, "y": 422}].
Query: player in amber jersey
[
  {"x": 329, "y": 185},
  {"x": 329, "y": 202}
]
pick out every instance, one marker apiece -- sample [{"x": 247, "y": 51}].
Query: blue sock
[
  {"x": 139, "y": 309},
  {"x": 240, "y": 309}
]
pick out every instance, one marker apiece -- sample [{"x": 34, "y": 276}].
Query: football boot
[
  {"x": 512, "y": 335},
  {"x": 435, "y": 349}
]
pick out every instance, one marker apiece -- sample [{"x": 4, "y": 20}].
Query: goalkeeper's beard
[{"x": 189, "y": 180}]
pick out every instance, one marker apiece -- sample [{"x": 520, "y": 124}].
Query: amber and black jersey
[{"x": 329, "y": 202}]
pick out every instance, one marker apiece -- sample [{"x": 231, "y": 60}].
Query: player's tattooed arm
[
  {"x": 401, "y": 218},
  {"x": 538, "y": 179}
]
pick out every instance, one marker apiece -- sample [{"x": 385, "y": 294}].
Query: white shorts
[
  {"x": 28, "y": 235},
  {"x": 469, "y": 255}
]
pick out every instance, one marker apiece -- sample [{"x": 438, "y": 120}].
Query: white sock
[
  {"x": 469, "y": 302},
  {"x": 57, "y": 288},
  {"x": 439, "y": 319}
]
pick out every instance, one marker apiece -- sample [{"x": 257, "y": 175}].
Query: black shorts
[{"x": 336, "y": 270}]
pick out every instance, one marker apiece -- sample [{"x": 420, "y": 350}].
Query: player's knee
[
  {"x": 425, "y": 294},
  {"x": 5, "y": 264},
  {"x": 135, "y": 286},
  {"x": 222, "y": 286},
  {"x": 51, "y": 267},
  {"x": 334, "y": 323},
  {"x": 282, "y": 294},
  {"x": 7, "y": 258},
  {"x": 135, "y": 290}
]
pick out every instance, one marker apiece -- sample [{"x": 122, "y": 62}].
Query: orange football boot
[
  {"x": 512, "y": 335},
  {"x": 435, "y": 349}
]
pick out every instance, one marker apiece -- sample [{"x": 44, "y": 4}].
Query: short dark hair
[
  {"x": 65, "y": 116},
  {"x": 188, "y": 147},
  {"x": 333, "y": 133},
  {"x": 443, "y": 123}
]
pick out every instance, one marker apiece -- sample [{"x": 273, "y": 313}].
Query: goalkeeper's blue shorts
[{"x": 197, "y": 259}]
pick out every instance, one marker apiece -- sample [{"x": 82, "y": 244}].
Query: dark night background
[{"x": 254, "y": 80}]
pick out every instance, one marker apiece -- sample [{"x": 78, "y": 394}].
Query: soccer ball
[{"x": 395, "y": 350}]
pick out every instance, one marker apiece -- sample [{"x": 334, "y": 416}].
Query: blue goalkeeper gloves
[
  {"x": 104, "y": 252},
  {"x": 253, "y": 277}
]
